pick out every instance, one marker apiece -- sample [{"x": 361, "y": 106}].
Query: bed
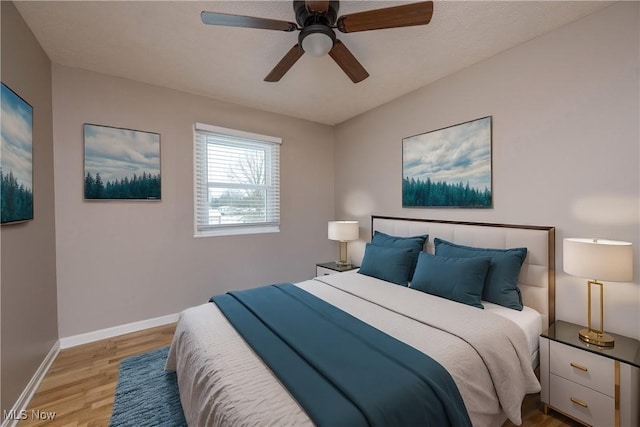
[{"x": 222, "y": 381}]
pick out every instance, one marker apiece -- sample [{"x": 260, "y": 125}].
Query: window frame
[{"x": 212, "y": 230}]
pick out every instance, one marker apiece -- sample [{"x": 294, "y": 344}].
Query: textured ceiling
[{"x": 165, "y": 43}]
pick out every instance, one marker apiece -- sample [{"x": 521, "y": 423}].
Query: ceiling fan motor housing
[
  {"x": 305, "y": 17},
  {"x": 316, "y": 36}
]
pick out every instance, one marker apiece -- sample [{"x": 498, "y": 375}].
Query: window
[{"x": 237, "y": 182}]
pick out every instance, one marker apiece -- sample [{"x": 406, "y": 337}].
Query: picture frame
[
  {"x": 121, "y": 164},
  {"x": 449, "y": 167},
  {"x": 16, "y": 164}
]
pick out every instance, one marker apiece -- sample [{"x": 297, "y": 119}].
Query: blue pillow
[
  {"x": 389, "y": 264},
  {"x": 501, "y": 284},
  {"x": 415, "y": 243},
  {"x": 457, "y": 279}
]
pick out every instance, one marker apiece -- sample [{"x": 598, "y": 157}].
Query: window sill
[{"x": 236, "y": 231}]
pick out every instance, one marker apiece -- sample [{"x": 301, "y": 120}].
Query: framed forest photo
[
  {"x": 449, "y": 167},
  {"x": 16, "y": 154},
  {"x": 121, "y": 164}
]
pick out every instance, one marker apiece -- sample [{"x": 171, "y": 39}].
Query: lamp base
[
  {"x": 344, "y": 258},
  {"x": 596, "y": 338}
]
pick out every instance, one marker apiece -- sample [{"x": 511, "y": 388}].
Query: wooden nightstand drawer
[
  {"x": 582, "y": 367},
  {"x": 583, "y": 403}
]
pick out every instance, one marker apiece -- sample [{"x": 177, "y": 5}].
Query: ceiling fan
[{"x": 316, "y": 21}]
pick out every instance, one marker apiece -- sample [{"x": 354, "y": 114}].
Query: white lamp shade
[
  {"x": 343, "y": 230},
  {"x": 598, "y": 259}
]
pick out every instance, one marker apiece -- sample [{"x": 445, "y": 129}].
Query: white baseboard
[
  {"x": 102, "y": 334},
  {"x": 21, "y": 404}
]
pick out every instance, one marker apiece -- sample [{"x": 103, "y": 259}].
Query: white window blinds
[{"x": 237, "y": 182}]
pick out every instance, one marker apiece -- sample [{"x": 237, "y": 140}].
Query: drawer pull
[
  {"x": 582, "y": 368},
  {"x": 579, "y": 402}
]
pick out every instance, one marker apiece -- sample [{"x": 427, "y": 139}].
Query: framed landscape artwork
[
  {"x": 16, "y": 154},
  {"x": 449, "y": 167},
  {"x": 121, "y": 164}
]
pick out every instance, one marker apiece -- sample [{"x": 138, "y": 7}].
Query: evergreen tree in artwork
[
  {"x": 146, "y": 186},
  {"x": 98, "y": 187},
  {"x": 17, "y": 200},
  {"x": 88, "y": 187},
  {"x": 416, "y": 192}
]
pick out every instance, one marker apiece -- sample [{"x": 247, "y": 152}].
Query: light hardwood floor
[{"x": 81, "y": 383}]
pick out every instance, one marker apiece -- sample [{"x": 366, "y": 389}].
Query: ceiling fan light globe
[{"x": 317, "y": 44}]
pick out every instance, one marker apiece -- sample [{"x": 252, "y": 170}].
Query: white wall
[
  {"x": 121, "y": 262},
  {"x": 566, "y": 135}
]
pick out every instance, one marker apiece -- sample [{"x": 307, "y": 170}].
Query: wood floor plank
[{"x": 80, "y": 386}]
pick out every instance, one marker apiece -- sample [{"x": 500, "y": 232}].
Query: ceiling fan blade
[
  {"x": 390, "y": 17},
  {"x": 215, "y": 18},
  {"x": 285, "y": 64},
  {"x": 319, "y": 6},
  {"x": 349, "y": 64}
]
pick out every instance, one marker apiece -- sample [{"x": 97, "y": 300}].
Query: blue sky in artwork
[
  {"x": 117, "y": 153},
  {"x": 16, "y": 121},
  {"x": 456, "y": 154}
]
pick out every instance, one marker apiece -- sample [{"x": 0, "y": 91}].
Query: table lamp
[
  {"x": 343, "y": 231},
  {"x": 598, "y": 259}
]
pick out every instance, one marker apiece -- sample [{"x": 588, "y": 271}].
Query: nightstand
[
  {"x": 327, "y": 268},
  {"x": 593, "y": 385}
]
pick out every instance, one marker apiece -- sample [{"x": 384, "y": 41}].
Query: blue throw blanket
[{"x": 342, "y": 371}]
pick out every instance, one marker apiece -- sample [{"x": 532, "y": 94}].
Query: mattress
[{"x": 223, "y": 382}]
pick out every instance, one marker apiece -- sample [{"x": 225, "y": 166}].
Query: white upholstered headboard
[{"x": 537, "y": 276}]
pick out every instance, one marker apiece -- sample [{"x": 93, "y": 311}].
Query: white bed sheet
[{"x": 529, "y": 320}]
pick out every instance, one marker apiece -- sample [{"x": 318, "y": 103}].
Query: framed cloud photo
[
  {"x": 16, "y": 154},
  {"x": 449, "y": 167},
  {"x": 121, "y": 164}
]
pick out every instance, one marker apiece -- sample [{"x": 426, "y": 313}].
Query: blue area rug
[{"x": 146, "y": 394}]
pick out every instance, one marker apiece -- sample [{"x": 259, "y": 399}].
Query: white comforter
[{"x": 223, "y": 382}]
